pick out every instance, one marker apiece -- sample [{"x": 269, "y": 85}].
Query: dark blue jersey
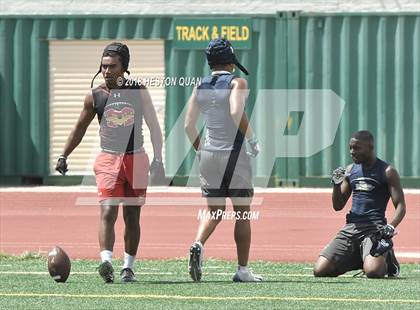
[
  {"x": 213, "y": 95},
  {"x": 370, "y": 193}
]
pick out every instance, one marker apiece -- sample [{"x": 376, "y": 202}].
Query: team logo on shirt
[
  {"x": 363, "y": 186},
  {"x": 119, "y": 118}
]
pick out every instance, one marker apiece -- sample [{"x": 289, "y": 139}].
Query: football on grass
[{"x": 59, "y": 264}]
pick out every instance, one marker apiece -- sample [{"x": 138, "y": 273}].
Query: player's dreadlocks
[{"x": 115, "y": 48}]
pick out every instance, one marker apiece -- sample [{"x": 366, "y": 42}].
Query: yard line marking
[
  {"x": 274, "y": 275},
  {"x": 213, "y": 298},
  {"x": 151, "y": 273},
  {"x": 158, "y": 273},
  {"x": 79, "y": 272}
]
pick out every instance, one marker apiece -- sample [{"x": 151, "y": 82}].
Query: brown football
[{"x": 59, "y": 264}]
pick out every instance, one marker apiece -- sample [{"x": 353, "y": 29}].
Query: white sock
[
  {"x": 243, "y": 268},
  {"x": 106, "y": 256},
  {"x": 199, "y": 242},
  {"x": 128, "y": 261}
]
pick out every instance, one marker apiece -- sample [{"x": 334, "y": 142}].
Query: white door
[{"x": 72, "y": 66}]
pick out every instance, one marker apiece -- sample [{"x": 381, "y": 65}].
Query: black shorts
[
  {"x": 350, "y": 246},
  {"x": 225, "y": 174}
]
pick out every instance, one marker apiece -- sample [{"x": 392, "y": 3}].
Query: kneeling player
[{"x": 365, "y": 241}]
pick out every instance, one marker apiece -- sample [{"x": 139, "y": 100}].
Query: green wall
[{"x": 371, "y": 61}]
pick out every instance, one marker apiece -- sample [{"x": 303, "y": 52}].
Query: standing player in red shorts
[{"x": 122, "y": 167}]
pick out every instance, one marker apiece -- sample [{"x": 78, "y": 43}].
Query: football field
[
  {"x": 292, "y": 229},
  {"x": 262, "y": 141},
  {"x": 165, "y": 284}
]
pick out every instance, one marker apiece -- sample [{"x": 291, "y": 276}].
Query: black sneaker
[
  {"x": 106, "y": 271},
  {"x": 195, "y": 262},
  {"x": 393, "y": 265},
  {"x": 127, "y": 275}
]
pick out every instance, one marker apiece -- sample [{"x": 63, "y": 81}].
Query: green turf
[{"x": 166, "y": 285}]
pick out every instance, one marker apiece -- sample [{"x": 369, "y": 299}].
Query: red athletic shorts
[{"x": 120, "y": 176}]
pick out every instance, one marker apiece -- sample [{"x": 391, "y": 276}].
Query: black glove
[
  {"x": 388, "y": 231},
  {"x": 62, "y": 165},
  {"x": 338, "y": 176},
  {"x": 380, "y": 247},
  {"x": 254, "y": 146},
  {"x": 157, "y": 172}
]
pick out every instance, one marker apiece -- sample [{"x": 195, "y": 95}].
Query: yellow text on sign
[
  {"x": 202, "y": 33},
  {"x": 235, "y": 33},
  {"x": 193, "y": 33}
]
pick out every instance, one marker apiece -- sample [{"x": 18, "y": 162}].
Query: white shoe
[
  {"x": 195, "y": 262},
  {"x": 246, "y": 276}
]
